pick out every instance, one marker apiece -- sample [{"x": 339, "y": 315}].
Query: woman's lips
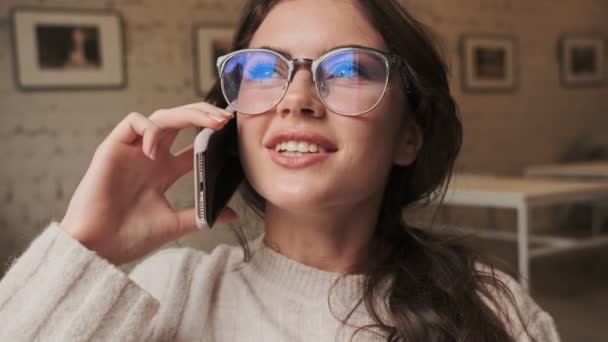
[
  {"x": 301, "y": 134},
  {"x": 305, "y": 160}
]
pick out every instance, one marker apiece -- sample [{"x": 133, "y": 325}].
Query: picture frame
[
  {"x": 210, "y": 42},
  {"x": 488, "y": 63},
  {"x": 57, "y": 49},
  {"x": 582, "y": 60}
]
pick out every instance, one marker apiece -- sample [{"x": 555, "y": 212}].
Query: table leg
[{"x": 523, "y": 256}]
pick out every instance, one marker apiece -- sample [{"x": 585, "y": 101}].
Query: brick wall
[{"x": 48, "y": 138}]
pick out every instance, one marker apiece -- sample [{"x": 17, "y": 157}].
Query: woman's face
[{"x": 366, "y": 146}]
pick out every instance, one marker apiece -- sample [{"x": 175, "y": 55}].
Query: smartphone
[{"x": 217, "y": 171}]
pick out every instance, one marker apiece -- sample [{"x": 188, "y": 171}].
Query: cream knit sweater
[{"x": 58, "y": 290}]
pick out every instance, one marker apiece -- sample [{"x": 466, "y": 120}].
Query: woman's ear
[{"x": 410, "y": 142}]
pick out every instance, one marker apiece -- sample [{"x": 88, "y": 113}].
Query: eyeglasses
[{"x": 349, "y": 81}]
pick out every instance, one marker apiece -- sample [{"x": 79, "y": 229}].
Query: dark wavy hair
[{"x": 435, "y": 290}]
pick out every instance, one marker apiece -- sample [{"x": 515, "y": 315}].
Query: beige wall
[
  {"x": 541, "y": 119},
  {"x": 47, "y": 138}
]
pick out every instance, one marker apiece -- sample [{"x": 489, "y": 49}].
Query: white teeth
[
  {"x": 292, "y": 146},
  {"x": 292, "y": 154},
  {"x": 298, "y": 146}
]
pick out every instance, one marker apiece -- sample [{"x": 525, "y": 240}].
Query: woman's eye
[
  {"x": 347, "y": 70},
  {"x": 262, "y": 72}
]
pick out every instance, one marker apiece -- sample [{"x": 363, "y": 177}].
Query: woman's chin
[{"x": 295, "y": 203}]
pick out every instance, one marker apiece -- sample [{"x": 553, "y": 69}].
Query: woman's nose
[{"x": 301, "y": 96}]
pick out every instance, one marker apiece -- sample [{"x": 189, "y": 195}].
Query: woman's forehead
[{"x": 308, "y": 28}]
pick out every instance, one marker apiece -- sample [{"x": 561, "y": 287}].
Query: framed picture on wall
[
  {"x": 67, "y": 49},
  {"x": 210, "y": 42},
  {"x": 488, "y": 63},
  {"x": 582, "y": 60}
]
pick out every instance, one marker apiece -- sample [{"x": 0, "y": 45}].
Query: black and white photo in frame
[
  {"x": 488, "y": 63},
  {"x": 582, "y": 60},
  {"x": 67, "y": 49}
]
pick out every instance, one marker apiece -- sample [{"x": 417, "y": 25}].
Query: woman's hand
[{"x": 119, "y": 209}]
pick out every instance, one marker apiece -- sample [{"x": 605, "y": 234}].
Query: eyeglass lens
[{"x": 348, "y": 82}]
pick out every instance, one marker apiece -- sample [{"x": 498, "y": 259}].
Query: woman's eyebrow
[
  {"x": 290, "y": 56},
  {"x": 276, "y": 49}
]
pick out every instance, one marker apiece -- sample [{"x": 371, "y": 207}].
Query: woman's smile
[
  {"x": 297, "y": 160},
  {"x": 299, "y": 148}
]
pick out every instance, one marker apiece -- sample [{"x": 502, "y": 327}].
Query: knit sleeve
[
  {"x": 543, "y": 329},
  {"x": 58, "y": 290},
  {"x": 168, "y": 275}
]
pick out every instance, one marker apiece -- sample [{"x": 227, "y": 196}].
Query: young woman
[{"x": 344, "y": 118}]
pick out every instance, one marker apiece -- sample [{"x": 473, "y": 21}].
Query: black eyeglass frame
[{"x": 390, "y": 60}]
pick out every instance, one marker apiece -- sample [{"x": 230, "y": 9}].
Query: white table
[
  {"x": 597, "y": 170},
  {"x": 579, "y": 171},
  {"x": 521, "y": 194}
]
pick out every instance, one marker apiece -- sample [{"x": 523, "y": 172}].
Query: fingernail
[
  {"x": 218, "y": 117},
  {"x": 226, "y": 114},
  {"x": 153, "y": 153}
]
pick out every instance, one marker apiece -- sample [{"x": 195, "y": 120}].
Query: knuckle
[
  {"x": 143, "y": 122},
  {"x": 134, "y": 115},
  {"x": 152, "y": 129},
  {"x": 158, "y": 112},
  {"x": 200, "y": 105}
]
